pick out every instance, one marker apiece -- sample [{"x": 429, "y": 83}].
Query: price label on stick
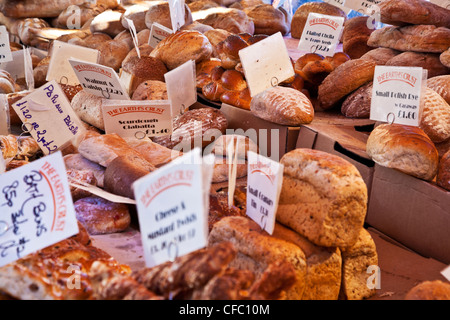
[
  {"x": 396, "y": 94},
  {"x": 139, "y": 119},
  {"x": 48, "y": 116},
  {"x": 5, "y": 48},
  {"x": 15, "y": 67},
  {"x": 181, "y": 87},
  {"x": 321, "y": 34},
  {"x": 177, "y": 13},
  {"x": 36, "y": 208},
  {"x": 173, "y": 206},
  {"x": 100, "y": 80},
  {"x": 264, "y": 182},
  {"x": 266, "y": 63},
  {"x": 158, "y": 33}
]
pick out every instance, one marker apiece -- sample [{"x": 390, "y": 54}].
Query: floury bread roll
[
  {"x": 435, "y": 118},
  {"x": 283, "y": 105},
  {"x": 323, "y": 198},
  {"x": 405, "y": 148},
  {"x": 440, "y": 84},
  {"x": 257, "y": 250}
]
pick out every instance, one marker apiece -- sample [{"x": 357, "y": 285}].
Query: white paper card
[
  {"x": 60, "y": 69},
  {"x": 396, "y": 94},
  {"x": 139, "y": 119},
  {"x": 49, "y": 117},
  {"x": 5, "y": 48},
  {"x": 171, "y": 209},
  {"x": 2, "y": 163},
  {"x": 176, "y": 8},
  {"x": 133, "y": 32},
  {"x": 321, "y": 34},
  {"x": 443, "y": 3},
  {"x": 100, "y": 80},
  {"x": 4, "y": 115},
  {"x": 264, "y": 182},
  {"x": 342, "y": 4},
  {"x": 446, "y": 273},
  {"x": 36, "y": 208},
  {"x": 266, "y": 63},
  {"x": 158, "y": 33},
  {"x": 363, "y": 6},
  {"x": 15, "y": 67},
  {"x": 181, "y": 87}
]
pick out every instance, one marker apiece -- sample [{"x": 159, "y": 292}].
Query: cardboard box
[{"x": 414, "y": 212}]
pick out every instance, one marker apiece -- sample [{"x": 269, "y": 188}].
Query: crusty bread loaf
[
  {"x": 7, "y": 83},
  {"x": 401, "y": 12},
  {"x": 435, "y": 118},
  {"x": 75, "y": 17},
  {"x": 257, "y": 249},
  {"x": 197, "y": 26},
  {"x": 445, "y": 58},
  {"x": 222, "y": 168},
  {"x": 282, "y": 105},
  {"x": 112, "y": 53},
  {"x": 76, "y": 161},
  {"x": 151, "y": 90},
  {"x": 419, "y": 38},
  {"x": 159, "y": 12},
  {"x": 88, "y": 108},
  {"x": 108, "y": 22},
  {"x": 215, "y": 36},
  {"x": 428, "y": 61},
  {"x": 443, "y": 175},
  {"x": 154, "y": 153},
  {"x": 181, "y": 47},
  {"x": 232, "y": 20},
  {"x": 244, "y": 144},
  {"x": 429, "y": 290},
  {"x": 404, "y": 148},
  {"x": 380, "y": 55},
  {"x": 440, "y": 84},
  {"x": 35, "y": 9},
  {"x": 343, "y": 80},
  {"x": 268, "y": 20},
  {"x": 301, "y": 15},
  {"x": 356, "y": 261},
  {"x": 323, "y": 197},
  {"x": 324, "y": 265},
  {"x": 357, "y": 104},
  {"x": 355, "y": 35}
]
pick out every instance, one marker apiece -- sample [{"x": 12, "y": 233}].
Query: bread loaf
[
  {"x": 257, "y": 249},
  {"x": 35, "y": 9},
  {"x": 356, "y": 261},
  {"x": 428, "y": 61},
  {"x": 343, "y": 80},
  {"x": 323, "y": 198},
  {"x": 429, "y": 290},
  {"x": 7, "y": 83},
  {"x": 440, "y": 84},
  {"x": 151, "y": 90},
  {"x": 112, "y": 53},
  {"x": 355, "y": 35},
  {"x": 380, "y": 55},
  {"x": 357, "y": 104},
  {"x": 74, "y": 17},
  {"x": 401, "y": 12},
  {"x": 232, "y": 20},
  {"x": 154, "y": 153},
  {"x": 80, "y": 176},
  {"x": 88, "y": 108},
  {"x": 435, "y": 118},
  {"x": 159, "y": 12},
  {"x": 443, "y": 174},
  {"x": 197, "y": 26},
  {"x": 268, "y": 20},
  {"x": 108, "y": 22},
  {"x": 281, "y": 105},
  {"x": 418, "y": 38},
  {"x": 445, "y": 58},
  {"x": 323, "y": 265},
  {"x": 404, "y": 148},
  {"x": 76, "y": 161}
]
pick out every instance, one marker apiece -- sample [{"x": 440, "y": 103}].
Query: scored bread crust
[
  {"x": 435, "y": 118},
  {"x": 440, "y": 84},
  {"x": 405, "y": 148}
]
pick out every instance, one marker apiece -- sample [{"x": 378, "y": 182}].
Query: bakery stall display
[{"x": 321, "y": 247}]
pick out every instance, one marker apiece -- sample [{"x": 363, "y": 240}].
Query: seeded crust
[{"x": 323, "y": 198}]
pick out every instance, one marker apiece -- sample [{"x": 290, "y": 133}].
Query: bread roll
[
  {"x": 435, "y": 118},
  {"x": 418, "y": 38},
  {"x": 301, "y": 15},
  {"x": 282, "y": 105},
  {"x": 268, "y": 20},
  {"x": 323, "y": 198},
  {"x": 222, "y": 168},
  {"x": 357, "y": 104},
  {"x": 257, "y": 249},
  {"x": 401, "y": 12},
  {"x": 443, "y": 174},
  {"x": 428, "y": 61},
  {"x": 232, "y": 20},
  {"x": 108, "y": 22},
  {"x": 7, "y": 83},
  {"x": 112, "y": 53},
  {"x": 88, "y": 108},
  {"x": 100, "y": 216},
  {"x": 355, "y": 35},
  {"x": 429, "y": 290},
  {"x": 154, "y": 153},
  {"x": 323, "y": 275},
  {"x": 440, "y": 84},
  {"x": 404, "y": 148},
  {"x": 445, "y": 58},
  {"x": 181, "y": 47},
  {"x": 151, "y": 90},
  {"x": 78, "y": 176},
  {"x": 159, "y": 12},
  {"x": 123, "y": 171},
  {"x": 197, "y": 26},
  {"x": 76, "y": 161},
  {"x": 356, "y": 261}
]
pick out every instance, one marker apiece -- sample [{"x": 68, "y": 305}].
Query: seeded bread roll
[
  {"x": 323, "y": 198},
  {"x": 404, "y": 148}
]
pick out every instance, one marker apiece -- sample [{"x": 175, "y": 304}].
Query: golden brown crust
[
  {"x": 435, "y": 118},
  {"x": 445, "y": 58},
  {"x": 440, "y": 84},
  {"x": 159, "y": 12},
  {"x": 151, "y": 90},
  {"x": 428, "y": 61},
  {"x": 443, "y": 175},
  {"x": 429, "y": 290},
  {"x": 354, "y": 37},
  {"x": 268, "y": 20},
  {"x": 232, "y": 20},
  {"x": 380, "y": 55}
]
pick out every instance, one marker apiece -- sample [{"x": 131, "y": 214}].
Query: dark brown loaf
[
  {"x": 358, "y": 103},
  {"x": 268, "y": 20},
  {"x": 443, "y": 175},
  {"x": 380, "y": 55},
  {"x": 428, "y": 61},
  {"x": 401, "y": 12},
  {"x": 355, "y": 35},
  {"x": 35, "y": 9},
  {"x": 159, "y": 12},
  {"x": 419, "y": 38}
]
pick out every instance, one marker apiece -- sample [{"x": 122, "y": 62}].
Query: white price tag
[
  {"x": 49, "y": 117},
  {"x": 442, "y": 3},
  {"x": 5, "y": 48},
  {"x": 36, "y": 208},
  {"x": 15, "y": 67},
  {"x": 266, "y": 63},
  {"x": 4, "y": 115},
  {"x": 181, "y": 87},
  {"x": 133, "y": 32},
  {"x": 264, "y": 182},
  {"x": 362, "y": 6},
  {"x": 173, "y": 209},
  {"x": 139, "y": 119},
  {"x": 100, "y": 80},
  {"x": 341, "y": 4},
  {"x": 321, "y": 34},
  {"x": 158, "y": 33},
  {"x": 2, "y": 163},
  {"x": 396, "y": 94},
  {"x": 446, "y": 273},
  {"x": 177, "y": 12},
  {"x": 59, "y": 68}
]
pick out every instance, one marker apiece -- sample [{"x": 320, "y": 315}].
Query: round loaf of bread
[
  {"x": 222, "y": 168},
  {"x": 282, "y": 105},
  {"x": 112, "y": 53},
  {"x": 151, "y": 90},
  {"x": 108, "y": 22},
  {"x": 80, "y": 176},
  {"x": 232, "y": 20},
  {"x": 443, "y": 175},
  {"x": 7, "y": 83},
  {"x": 380, "y": 55},
  {"x": 445, "y": 58},
  {"x": 357, "y": 104},
  {"x": 159, "y": 12},
  {"x": 355, "y": 35},
  {"x": 440, "y": 84},
  {"x": 429, "y": 290},
  {"x": 323, "y": 197},
  {"x": 404, "y": 148},
  {"x": 435, "y": 118},
  {"x": 268, "y": 20},
  {"x": 428, "y": 61},
  {"x": 301, "y": 15},
  {"x": 100, "y": 216}
]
